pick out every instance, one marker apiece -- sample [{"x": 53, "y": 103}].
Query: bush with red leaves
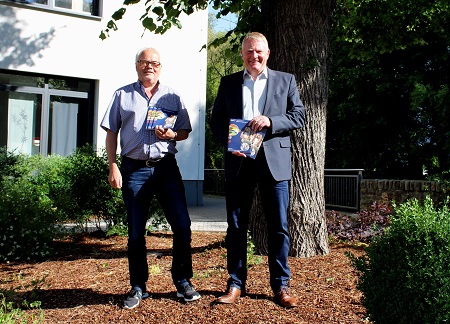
[{"x": 361, "y": 226}]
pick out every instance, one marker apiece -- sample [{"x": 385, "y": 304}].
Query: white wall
[{"x": 50, "y": 43}]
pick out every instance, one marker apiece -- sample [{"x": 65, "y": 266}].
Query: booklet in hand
[
  {"x": 162, "y": 117},
  {"x": 243, "y": 139}
]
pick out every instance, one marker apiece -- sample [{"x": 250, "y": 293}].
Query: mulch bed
[{"x": 88, "y": 280}]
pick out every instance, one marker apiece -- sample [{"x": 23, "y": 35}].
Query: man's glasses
[{"x": 144, "y": 64}]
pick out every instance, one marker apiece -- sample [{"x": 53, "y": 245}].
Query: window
[
  {"x": 89, "y": 7},
  {"x": 44, "y": 115}
]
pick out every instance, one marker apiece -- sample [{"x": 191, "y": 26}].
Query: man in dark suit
[{"x": 269, "y": 99}]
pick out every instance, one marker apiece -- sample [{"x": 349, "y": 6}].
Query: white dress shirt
[{"x": 254, "y": 93}]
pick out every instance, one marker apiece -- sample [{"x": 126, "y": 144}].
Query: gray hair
[{"x": 143, "y": 50}]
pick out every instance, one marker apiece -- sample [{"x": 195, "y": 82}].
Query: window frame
[
  {"x": 47, "y": 92},
  {"x": 50, "y": 7}
]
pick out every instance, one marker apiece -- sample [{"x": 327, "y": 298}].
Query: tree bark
[{"x": 298, "y": 32}]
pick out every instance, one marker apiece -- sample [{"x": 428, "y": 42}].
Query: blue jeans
[
  {"x": 140, "y": 185},
  {"x": 240, "y": 191}
]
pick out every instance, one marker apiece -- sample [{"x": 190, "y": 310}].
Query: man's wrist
[{"x": 175, "y": 134}]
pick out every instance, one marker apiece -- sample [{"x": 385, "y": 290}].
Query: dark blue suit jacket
[{"x": 284, "y": 108}]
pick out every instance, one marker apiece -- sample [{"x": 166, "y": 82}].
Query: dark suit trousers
[{"x": 240, "y": 190}]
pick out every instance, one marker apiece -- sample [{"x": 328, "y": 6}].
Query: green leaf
[
  {"x": 130, "y": 2},
  {"x": 172, "y": 12},
  {"x": 159, "y": 30},
  {"x": 111, "y": 25},
  {"x": 177, "y": 23},
  {"x": 102, "y": 35},
  {"x": 118, "y": 14},
  {"x": 149, "y": 24},
  {"x": 158, "y": 11}
]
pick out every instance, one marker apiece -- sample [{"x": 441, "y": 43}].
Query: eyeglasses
[{"x": 144, "y": 64}]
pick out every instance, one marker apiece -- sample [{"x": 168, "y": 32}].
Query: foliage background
[
  {"x": 222, "y": 60},
  {"x": 389, "y": 85},
  {"x": 389, "y": 89}
]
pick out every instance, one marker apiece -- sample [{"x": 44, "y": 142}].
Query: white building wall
[{"x": 48, "y": 42}]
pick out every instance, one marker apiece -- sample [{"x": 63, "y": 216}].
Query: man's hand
[
  {"x": 259, "y": 122},
  {"x": 115, "y": 177},
  {"x": 237, "y": 153},
  {"x": 164, "y": 133}
]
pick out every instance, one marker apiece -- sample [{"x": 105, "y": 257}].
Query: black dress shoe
[
  {"x": 283, "y": 298},
  {"x": 230, "y": 297}
]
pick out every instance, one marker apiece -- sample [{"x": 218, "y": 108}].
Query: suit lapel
[
  {"x": 236, "y": 99},
  {"x": 271, "y": 80}
]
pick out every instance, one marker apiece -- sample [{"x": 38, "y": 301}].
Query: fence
[
  {"x": 346, "y": 190},
  {"x": 342, "y": 187},
  {"x": 214, "y": 183}
]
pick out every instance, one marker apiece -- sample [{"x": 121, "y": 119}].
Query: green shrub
[
  {"x": 27, "y": 220},
  {"x": 77, "y": 185},
  {"x": 156, "y": 220},
  {"x": 117, "y": 229},
  {"x": 405, "y": 274},
  {"x": 40, "y": 192},
  {"x": 7, "y": 162},
  {"x": 91, "y": 196},
  {"x": 27, "y": 213},
  {"x": 46, "y": 173}
]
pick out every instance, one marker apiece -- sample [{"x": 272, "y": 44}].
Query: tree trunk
[{"x": 298, "y": 32}]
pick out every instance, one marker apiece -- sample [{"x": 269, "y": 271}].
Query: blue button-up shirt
[{"x": 127, "y": 112}]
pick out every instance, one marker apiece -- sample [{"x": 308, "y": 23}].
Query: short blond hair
[{"x": 256, "y": 36}]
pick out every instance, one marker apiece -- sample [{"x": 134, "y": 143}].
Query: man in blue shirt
[{"x": 149, "y": 169}]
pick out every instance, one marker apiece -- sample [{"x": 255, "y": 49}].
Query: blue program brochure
[
  {"x": 159, "y": 116},
  {"x": 243, "y": 139}
]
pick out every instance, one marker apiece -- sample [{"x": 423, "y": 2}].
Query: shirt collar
[
  {"x": 263, "y": 74},
  {"x": 141, "y": 87}
]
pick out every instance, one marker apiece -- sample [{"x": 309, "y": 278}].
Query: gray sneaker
[
  {"x": 188, "y": 293},
  {"x": 134, "y": 298}
]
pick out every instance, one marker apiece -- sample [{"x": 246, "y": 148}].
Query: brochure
[
  {"x": 162, "y": 117},
  {"x": 243, "y": 139}
]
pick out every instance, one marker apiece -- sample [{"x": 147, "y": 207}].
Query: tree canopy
[
  {"x": 389, "y": 89},
  {"x": 160, "y": 16}
]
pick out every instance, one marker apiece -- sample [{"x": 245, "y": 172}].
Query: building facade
[{"x": 57, "y": 76}]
